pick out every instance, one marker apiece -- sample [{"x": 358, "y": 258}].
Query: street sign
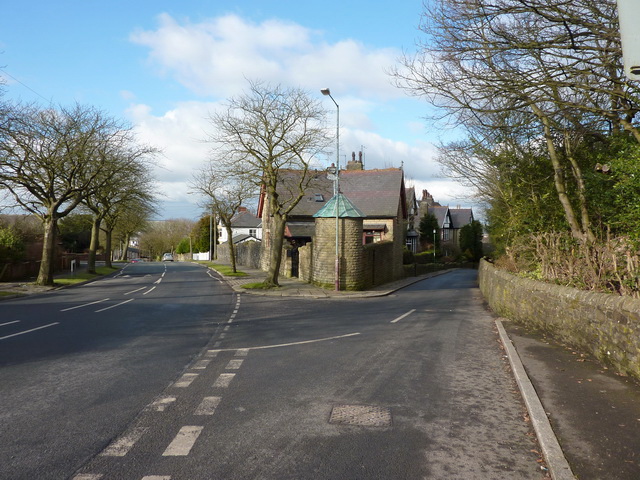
[{"x": 629, "y": 14}]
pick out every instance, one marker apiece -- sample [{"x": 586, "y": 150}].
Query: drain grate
[{"x": 362, "y": 415}]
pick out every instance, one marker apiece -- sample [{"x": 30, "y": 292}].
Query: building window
[
  {"x": 372, "y": 236},
  {"x": 252, "y": 232}
]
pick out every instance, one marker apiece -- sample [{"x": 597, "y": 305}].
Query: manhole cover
[{"x": 363, "y": 415}]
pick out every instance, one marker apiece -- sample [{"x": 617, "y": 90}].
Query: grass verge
[
  {"x": 225, "y": 270},
  {"x": 258, "y": 286},
  {"x": 73, "y": 279}
]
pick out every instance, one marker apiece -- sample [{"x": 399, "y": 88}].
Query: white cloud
[{"x": 216, "y": 56}]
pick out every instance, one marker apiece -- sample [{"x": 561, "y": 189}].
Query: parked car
[{"x": 167, "y": 257}]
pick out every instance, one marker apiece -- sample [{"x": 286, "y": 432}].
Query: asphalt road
[
  {"x": 77, "y": 365},
  {"x": 409, "y": 386}
]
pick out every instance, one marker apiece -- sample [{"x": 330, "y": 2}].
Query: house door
[{"x": 295, "y": 262}]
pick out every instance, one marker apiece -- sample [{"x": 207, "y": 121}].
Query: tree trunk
[
  {"x": 275, "y": 252},
  {"x": 125, "y": 248},
  {"x": 558, "y": 178},
  {"x": 232, "y": 248},
  {"x": 45, "y": 275},
  {"x": 93, "y": 247},
  {"x": 107, "y": 247}
]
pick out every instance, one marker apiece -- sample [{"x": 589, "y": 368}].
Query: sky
[{"x": 164, "y": 66}]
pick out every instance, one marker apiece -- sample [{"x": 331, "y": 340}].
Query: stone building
[{"x": 378, "y": 194}]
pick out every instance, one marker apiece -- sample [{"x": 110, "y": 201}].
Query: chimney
[{"x": 353, "y": 163}]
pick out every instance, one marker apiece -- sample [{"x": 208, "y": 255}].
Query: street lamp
[
  {"x": 336, "y": 186},
  {"x": 434, "y": 247}
]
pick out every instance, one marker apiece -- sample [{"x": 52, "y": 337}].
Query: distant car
[
  {"x": 136, "y": 260},
  {"x": 167, "y": 257}
]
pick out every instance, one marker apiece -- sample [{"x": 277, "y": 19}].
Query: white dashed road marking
[
  {"x": 150, "y": 290},
  {"x": 88, "y": 476},
  {"x": 122, "y": 445},
  {"x": 202, "y": 364},
  {"x": 403, "y": 316},
  {"x": 29, "y": 331},
  {"x": 224, "y": 380},
  {"x": 157, "y": 477},
  {"x": 185, "y": 380},
  {"x": 134, "y": 291},
  {"x": 242, "y": 352},
  {"x": 184, "y": 442},
  {"x": 161, "y": 404},
  {"x": 208, "y": 406},
  {"x": 9, "y": 323},
  {"x": 84, "y": 305},
  {"x": 234, "y": 364},
  {"x": 114, "y": 306}
]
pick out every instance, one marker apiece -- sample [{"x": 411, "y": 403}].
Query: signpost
[{"x": 629, "y": 14}]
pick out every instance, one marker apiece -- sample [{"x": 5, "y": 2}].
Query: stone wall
[
  {"x": 247, "y": 254},
  {"x": 604, "y": 325},
  {"x": 380, "y": 264}
]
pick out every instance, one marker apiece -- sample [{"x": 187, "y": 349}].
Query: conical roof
[{"x": 343, "y": 206}]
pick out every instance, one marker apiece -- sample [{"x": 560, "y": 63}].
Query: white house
[{"x": 245, "y": 226}]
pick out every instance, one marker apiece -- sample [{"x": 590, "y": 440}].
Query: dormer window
[{"x": 319, "y": 197}]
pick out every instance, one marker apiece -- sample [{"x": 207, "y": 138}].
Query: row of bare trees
[
  {"x": 56, "y": 160},
  {"x": 551, "y": 138}
]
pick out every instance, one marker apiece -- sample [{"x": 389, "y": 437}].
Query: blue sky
[{"x": 164, "y": 65}]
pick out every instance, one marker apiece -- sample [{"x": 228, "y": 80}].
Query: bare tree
[
  {"x": 126, "y": 180},
  {"x": 554, "y": 63},
  {"x": 263, "y": 133},
  {"x": 50, "y": 160},
  {"x": 225, "y": 194}
]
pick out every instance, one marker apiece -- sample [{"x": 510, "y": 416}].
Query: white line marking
[
  {"x": 242, "y": 352},
  {"x": 211, "y": 353},
  {"x": 84, "y": 305},
  {"x": 217, "y": 344},
  {"x": 114, "y": 306},
  {"x": 185, "y": 380},
  {"x": 88, "y": 476},
  {"x": 9, "y": 323},
  {"x": 150, "y": 290},
  {"x": 184, "y": 441},
  {"x": 208, "y": 406},
  {"x": 161, "y": 404},
  {"x": 234, "y": 364},
  {"x": 158, "y": 281},
  {"x": 122, "y": 445},
  {"x": 134, "y": 291},
  {"x": 224, "y": 380},
  {"x": 403, "y": 316},
  {"x": 222, "y": 335},
  {"x": 163, "y": 274},
  {"x": 156, "y": 477},
  {"x": 202, "y": 364},
  {"x": 284, "y": 344},
  {"x": 225, "y": 329},
  {"x": 29, "y": 331}
]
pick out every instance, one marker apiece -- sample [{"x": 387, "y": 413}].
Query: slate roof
[
  {"x": 461, "y": 217},
  {"x": 440, "y": 214},
  {"x": 376, "y": 193},
  {"x": 246, "y": 219}
]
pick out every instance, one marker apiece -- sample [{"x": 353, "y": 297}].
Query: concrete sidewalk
[{"x": 293, "y": 287}]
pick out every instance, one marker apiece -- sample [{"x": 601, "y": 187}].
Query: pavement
[{"x": 586, "y": 418}]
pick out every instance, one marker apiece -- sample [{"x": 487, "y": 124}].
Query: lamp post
[
  {"x": 336, "y": 186},
  {"x": 434, "y": 247}
]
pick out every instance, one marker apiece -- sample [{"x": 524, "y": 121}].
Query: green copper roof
[{"x": 345, "y": 208}]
